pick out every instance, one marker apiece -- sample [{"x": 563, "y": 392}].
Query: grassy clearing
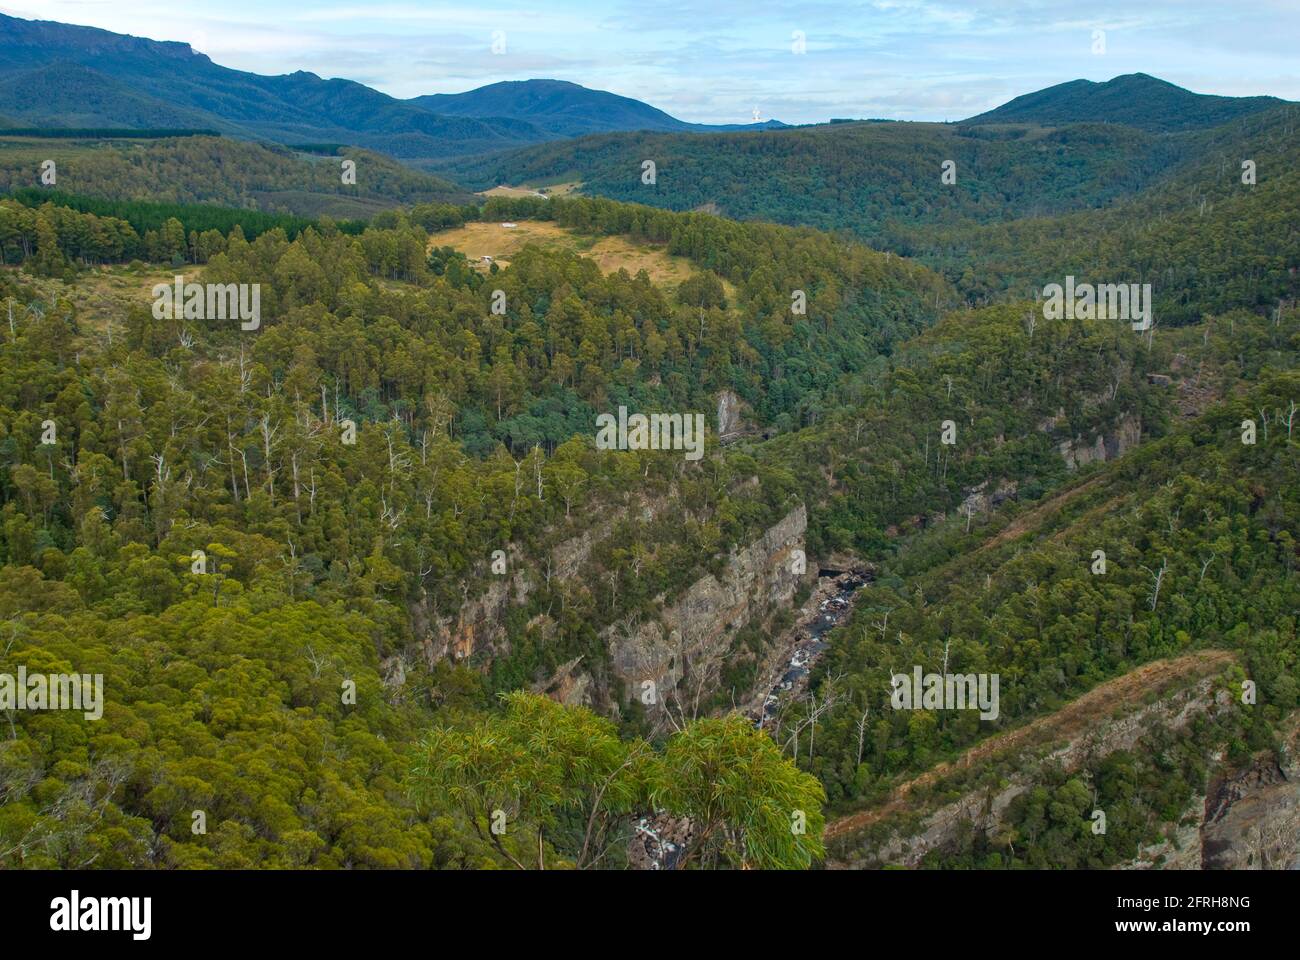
[
  {"x": 534, "y": 190},
  {"x": 107, "y": 293},
  {"x": 512, "y": 192},
  {"x": 477, "y": 240},
  {"x": 31, "y": 152}
]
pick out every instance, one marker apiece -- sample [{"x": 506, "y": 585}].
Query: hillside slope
[
  {"x": 1028, "y": 206},
  {"x": 1135, "y": 99},
  {"x": 222, "y": 170}
]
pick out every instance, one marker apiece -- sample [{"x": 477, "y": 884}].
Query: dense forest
[
  {"x": 1197, "y": 528},
  {"x": 551, "y": 358},
  {"x": 1136, "y": 99},
  {"x": 862, "y": 177},
  {"x": 103, "y": 133},
  {"x": 1026, "y": 204},
  {"x": 221, "y": 171},
  {"x": 470, "y": 440},
  {"x": 262, "y": 538}
]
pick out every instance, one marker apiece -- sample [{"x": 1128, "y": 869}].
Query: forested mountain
[
  {"x": 72, "y": 95},
  {"x": 1202, "y": 235},
  {"x": 1135, "y": 100},
  {"x": 564, "y": 109},
  {"x": 150, "y": 83},
  {"x": 862, "y": 177},
  {"x": 98, "y": 78}
]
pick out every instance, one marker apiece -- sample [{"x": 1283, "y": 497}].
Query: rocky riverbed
[{"x": 786, "y": 676}]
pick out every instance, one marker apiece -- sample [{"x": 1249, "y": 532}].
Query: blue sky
[{"x": 722, "y": 60}]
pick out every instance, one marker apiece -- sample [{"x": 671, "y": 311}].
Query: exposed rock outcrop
[
  {"x": 1252, "y": 819},
  {"x": 1107, "y": 445},
  {"x": 480, "y": 623},
  {"x": 689, "y": 640},
  {"x": 568, "y": 556},
  {"x": 686, "y": 641},
  {"x": 568, "y": 685},
  {"x": 980, "y": 499},
  {"x": 731, "y": 419},
  {"x": 1255, "y": 822}
]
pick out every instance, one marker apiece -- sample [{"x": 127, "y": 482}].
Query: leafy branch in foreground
[{"x": 541, "y": 776}]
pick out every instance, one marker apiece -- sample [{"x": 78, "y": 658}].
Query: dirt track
[{"x": 1031, "y": 518}]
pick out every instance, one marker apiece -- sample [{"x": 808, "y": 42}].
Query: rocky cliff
[
  {"x": 1106, "y": 445},
  {"x": 682, "y": 646},
  {"x": 1249, "y": 818},
  {"x": 1252, "y": 816},
  {"x": 480, "y": 622},
  {"x": 680, "y": 653}
]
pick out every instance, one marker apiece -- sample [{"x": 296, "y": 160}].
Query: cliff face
[
  {"x": 729, "y": 422},
  {"x": 1253, "y": 821},
  {"x": 480, "y": 622},
  {"x": 1112, "y": 443},
  {"x": 735, "y": 418},
  {"x": 1252, "y": 818},
  {"x": 687, "y": 645},
  {"x": 1249, "y": 820}
]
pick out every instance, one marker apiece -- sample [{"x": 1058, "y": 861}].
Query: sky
[{"x": 730, "y": 61}]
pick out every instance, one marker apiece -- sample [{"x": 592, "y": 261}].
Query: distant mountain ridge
[
  {"x": 54, "y": 74},
  {"x": 566, "y": 109},
  {"x": 84, "y": 76},
  {"x": 154, "y": 83},
  {"x": 1134, "y": 99}
]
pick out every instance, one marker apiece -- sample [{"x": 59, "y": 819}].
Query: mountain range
[
  {"x": 92, "y": 77},
  {"x": 61, "y": 75}
]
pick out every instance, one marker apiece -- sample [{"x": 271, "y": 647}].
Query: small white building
[{"x": 509, "y": 226}]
